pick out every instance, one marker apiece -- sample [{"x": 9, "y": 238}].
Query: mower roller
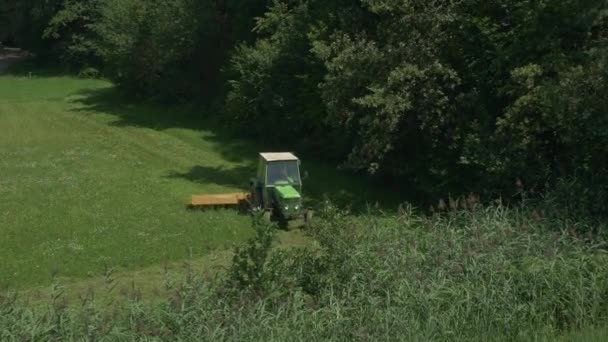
[{"x": 276, "y": 190}]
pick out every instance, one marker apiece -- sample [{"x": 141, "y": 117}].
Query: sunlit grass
[
  {"x": 90, "y": 179},
  {"x": 78, "y": 192}
]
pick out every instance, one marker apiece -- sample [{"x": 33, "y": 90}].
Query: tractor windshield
[{"x": 283, "y": 171}]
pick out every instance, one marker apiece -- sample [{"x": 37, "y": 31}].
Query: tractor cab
[{"x": 277, "y": 188}]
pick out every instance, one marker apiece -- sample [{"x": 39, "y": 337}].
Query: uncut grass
[
  {"x": 494, "y": 274},
  {"x": 148, "y": 284}
]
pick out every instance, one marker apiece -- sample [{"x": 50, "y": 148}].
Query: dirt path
[{"x": 10, "y": 56}]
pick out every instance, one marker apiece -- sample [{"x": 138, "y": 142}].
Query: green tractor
[{"x": 277, "y": 188}]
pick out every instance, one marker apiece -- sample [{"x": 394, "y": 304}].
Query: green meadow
[{"x": 90, "y": 180}]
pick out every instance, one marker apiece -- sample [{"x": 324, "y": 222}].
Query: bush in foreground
[{"x": 490, "y": 273}]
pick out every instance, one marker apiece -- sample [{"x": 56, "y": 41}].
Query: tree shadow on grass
[
  {"x": 237, "y": 177},
  {"x": 130, "y": 112},
  {"x": 31, "y": 66},
  {"x": 344, "y": 189}
]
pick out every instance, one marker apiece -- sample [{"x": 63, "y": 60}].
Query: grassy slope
[
  {"x": 78, "y": 191},
  {"x": 88, "y": 180}
]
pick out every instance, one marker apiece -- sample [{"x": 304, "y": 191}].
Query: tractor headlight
[
  {"x": 286, "y": 207},
  {"x": 296, "y": 207}
]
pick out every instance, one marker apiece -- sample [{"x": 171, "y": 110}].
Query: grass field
[
  {"x": 93, "y": 190},
  {"x": 89, "y": 180}
]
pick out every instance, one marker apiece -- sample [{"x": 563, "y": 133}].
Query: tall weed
[{"x": 488, "y": 273}]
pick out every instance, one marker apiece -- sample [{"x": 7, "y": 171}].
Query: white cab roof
[{"x": 278, "y": 156}]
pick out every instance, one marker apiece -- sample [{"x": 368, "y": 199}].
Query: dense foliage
[
  {"x": 23, "y": 21},
  {"x": 172, "y": 50},
  {"x": 483, "y": 274},
  {"x": 449, "y": 95},
  {"x": 446, "y": 96}
]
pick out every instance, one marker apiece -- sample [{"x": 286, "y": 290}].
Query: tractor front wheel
[{"x": 308, "y": 217}]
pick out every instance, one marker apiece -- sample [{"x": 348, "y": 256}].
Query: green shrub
[{"x": 89, "y": 73}]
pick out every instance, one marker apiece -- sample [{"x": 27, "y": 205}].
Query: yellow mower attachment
[{"x": 220, "y": 200}]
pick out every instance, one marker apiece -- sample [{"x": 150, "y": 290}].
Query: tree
[{"x": 448, "y": 95}]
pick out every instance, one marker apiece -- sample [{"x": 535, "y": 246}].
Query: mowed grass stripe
[{"x": 78, "y": 192}]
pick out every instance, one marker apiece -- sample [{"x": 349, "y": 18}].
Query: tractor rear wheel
[
  {"x": 268, "y": 216},
  {"x": 256, "y": 197}
]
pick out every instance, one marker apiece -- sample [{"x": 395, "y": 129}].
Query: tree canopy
[{"x": 462, "y": 95}]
